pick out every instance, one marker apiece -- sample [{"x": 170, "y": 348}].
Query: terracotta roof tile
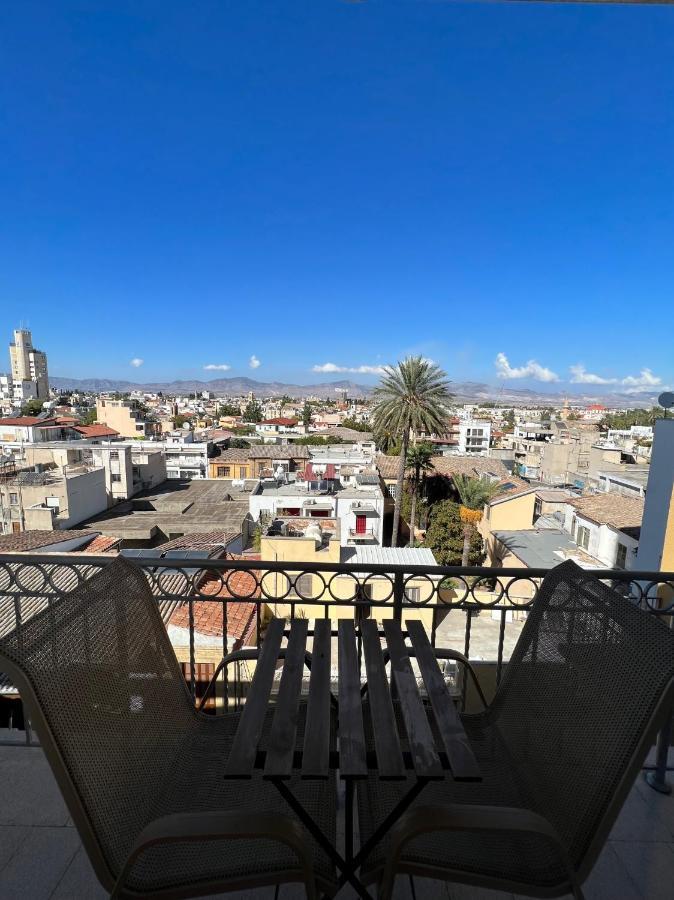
[
  {"x": 93, "y": 431},
  {"x": 25, "y": 541},
  {"x": 612, "y": 509},
  {"x": 103, "y": 543}
]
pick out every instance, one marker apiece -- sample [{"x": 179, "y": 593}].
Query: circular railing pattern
[{"x": 489, "y": 589}]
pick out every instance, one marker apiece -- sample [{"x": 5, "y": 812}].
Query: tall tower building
[{"x": 29, "y": 364}]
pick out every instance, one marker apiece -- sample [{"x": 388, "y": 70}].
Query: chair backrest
[
  {"x": 588, "y": 675},
  {"x": 97, "y": 671}
]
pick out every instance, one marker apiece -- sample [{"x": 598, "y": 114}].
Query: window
[
  {"x": 242, "y": 471},
  {"x": 115, "y": 478},
  {"x": 583, "y": 537},
  {"x": 304, "y": 586},
  {"x": 413, "y": 594},
  {"x": 621, "y": 557},
  {"x": 14, "y": 499},
  {"x": 114, "y": 454},
  {"x": 391, "y": 490}
]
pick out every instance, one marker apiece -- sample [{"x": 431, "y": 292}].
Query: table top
[{"x": 448, "y": 755}]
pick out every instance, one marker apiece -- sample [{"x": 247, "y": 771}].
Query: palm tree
[
  {"x": 411, "y": 396},
  {"x": 474, "y": 493},
  {"x": 419, "y": 461}
]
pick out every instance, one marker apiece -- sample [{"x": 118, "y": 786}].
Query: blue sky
[{"x": 308, "y": 183}]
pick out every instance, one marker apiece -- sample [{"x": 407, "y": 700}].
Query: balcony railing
[
  {"x": 367, "y": 535},
  {"x": 30, "y": 582}
]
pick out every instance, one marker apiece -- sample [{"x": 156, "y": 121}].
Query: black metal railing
[{"x": 442, "y": 595}]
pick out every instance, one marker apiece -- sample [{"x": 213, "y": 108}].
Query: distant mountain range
[{"x": 464, "y": 391}]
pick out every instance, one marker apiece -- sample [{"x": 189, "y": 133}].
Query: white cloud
[
  {"x": 531, "y": 370},
  {"x": 580, "y": 376},
  {"x": 254, "y": 362},
  {"x": 217, "y": 367},
  {"x": 328, "y": 368},
  {"x": 645, "y": 379},
  {"x": 136, "y": 362}
]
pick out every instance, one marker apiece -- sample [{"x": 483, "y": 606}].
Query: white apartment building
[
  {"x": 359, "y": 508},
  {"x": 606, "y": 528},
  {"x": 29, "y": 364},
  {"x": 474, "y": 436}
]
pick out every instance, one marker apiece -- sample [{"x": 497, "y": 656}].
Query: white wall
[
  {"x": 86, "y": 496},
  {"x": 658, "y": 497}
]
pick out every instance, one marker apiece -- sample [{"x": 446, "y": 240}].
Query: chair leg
[{"x": 412, "y": 891}]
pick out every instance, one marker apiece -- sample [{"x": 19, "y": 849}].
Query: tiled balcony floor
[{"x": 41, "y": 856}]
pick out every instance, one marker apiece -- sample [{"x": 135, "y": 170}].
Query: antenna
[{"x": 666, "y": 401}]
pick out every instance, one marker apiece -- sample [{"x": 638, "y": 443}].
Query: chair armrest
[
  {"x": 467, "y": 817},
  {"x": 441, "y": 653},
  {"x": 216, "y": 825},
  {"x": 242, "y": 655}
]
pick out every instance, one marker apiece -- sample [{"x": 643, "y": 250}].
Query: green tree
[
  {"x": 509, "y": 418},
  {"x": 89, "y": 417},
  {"x": 623, "y": 420},
  {"x": 445, "y": 536},
  {"x": 413, "y": 395},
  {"x": 285, "y": 400},
  {"x": 306, "y": 415},
  {"x": 228, "y": 409},
  {"x": 32, "y": 408},
  {"x": 354, "y": 425},
  {"x": 474, "y": 493},
  {"x": 179, "y": 421},
  {"x": 310, "y": 440},
  {"x": 253, "y": 412},
  {"x": 238, "y": 444},
  {"x": 419, "y": 458}
]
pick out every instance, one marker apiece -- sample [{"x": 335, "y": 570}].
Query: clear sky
[{"x": 298, "y": 183}]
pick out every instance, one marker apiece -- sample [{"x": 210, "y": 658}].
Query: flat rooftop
[
  {"x": 176, "y": 508},
  {"x": 544, "y": 548},
  {"x": 631, "y": 473}
]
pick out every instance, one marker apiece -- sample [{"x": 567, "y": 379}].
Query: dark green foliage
[
  {"x": 355, "y": 426},
  {"x": 253, "y": 412},
  {"x": 32, "y": 408},
  {"x": 445, "y": 536}
]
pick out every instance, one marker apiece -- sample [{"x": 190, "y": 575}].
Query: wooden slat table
[{"x": 427, "y": 759}]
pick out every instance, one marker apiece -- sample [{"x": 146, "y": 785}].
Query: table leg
[
  {"x": 383, "y": 828},
  {"x": 347, "y": 869}
]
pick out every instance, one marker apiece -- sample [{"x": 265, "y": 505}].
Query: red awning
[
  {"x": 309, "y": 472},
  {"x": 330, "y": 471}
]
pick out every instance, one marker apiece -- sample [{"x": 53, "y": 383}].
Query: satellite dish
[{"x": 666, "y": 400}]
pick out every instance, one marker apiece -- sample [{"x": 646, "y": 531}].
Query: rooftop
[
  {"x": 630, "y": 473},
  {"x": 54, "y": 541},
  {"x": 544, "y": 548},
  {"x": 612, "y": 509},
  {"x": 95, "y": 431},
  {"x": 176, "y": 508},
  {"x": 411, "y": 556}
]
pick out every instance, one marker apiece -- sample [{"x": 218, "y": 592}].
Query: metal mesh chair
[
  {"x": 590, "y": 681},
  {"x": 140, "y": 768}
]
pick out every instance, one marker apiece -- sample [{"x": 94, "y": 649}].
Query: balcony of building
[{"x": 478, "y": 611}]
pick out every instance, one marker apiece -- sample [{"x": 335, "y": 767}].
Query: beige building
[
  {"x": 124, "y": 417},
  {"x": 511, "y": 511},
  {"x": 29, "y": 364},
  {"x": 322, "y": 544}
]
